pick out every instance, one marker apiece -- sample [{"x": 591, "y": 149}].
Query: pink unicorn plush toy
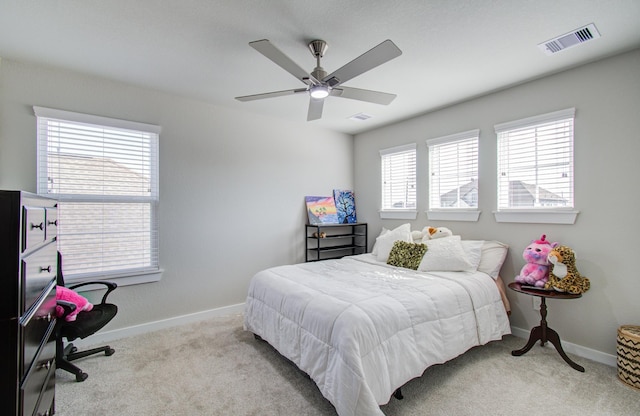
[
  {"x": 536, "y": 271},
  {"x": 82, "y": 304}
]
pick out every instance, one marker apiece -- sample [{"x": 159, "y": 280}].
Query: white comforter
[{"x": 361, "y": 329}]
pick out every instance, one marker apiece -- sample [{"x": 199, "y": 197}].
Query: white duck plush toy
[{"x": 430, "y": 233}]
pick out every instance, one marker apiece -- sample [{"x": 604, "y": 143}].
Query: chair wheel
[
  {"x": 81, "y": 377},
  {"x": 109, "y": 351}
]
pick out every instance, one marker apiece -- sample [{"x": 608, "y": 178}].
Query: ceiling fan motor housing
[{"x": 319, "y": 73}]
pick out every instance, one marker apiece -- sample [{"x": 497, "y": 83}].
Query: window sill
[
  {"x": 121, "y": 280},
  {"x": 453, "y": 215},
  {"x": 537, "y": 216},
  {"x": 405, "y": 214}
]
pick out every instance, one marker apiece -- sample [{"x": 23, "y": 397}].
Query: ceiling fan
[{"x": 319, "y": 85}]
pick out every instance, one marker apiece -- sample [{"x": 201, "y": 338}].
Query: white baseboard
[
  {"x": 104, "y": 337},
  {"x": 579, "y": 350}
]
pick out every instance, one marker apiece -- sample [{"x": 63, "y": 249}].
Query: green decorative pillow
[{"x": 407, "y": 255}]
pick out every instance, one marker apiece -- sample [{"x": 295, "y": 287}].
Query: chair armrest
[
  {"x": 111, "y": 286},
  {"x": 67, "y": 306}
]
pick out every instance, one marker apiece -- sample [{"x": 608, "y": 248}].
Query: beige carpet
[{"x": 215, "y": 368}]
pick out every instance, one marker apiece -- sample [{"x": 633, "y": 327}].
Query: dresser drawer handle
[
  {"x": 37, "y": 226},
  {"x": 45, "y": 269},
  {"x": 48, "y": 317},
  {"x": 46, "y": 365},
  {"x": 53, "y": 223}
]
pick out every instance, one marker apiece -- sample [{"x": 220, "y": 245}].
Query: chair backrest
[{"x": 59, "y": 276}]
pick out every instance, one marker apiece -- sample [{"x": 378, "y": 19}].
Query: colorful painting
[
  {"x": 345, "y": 205},
  {"x": 321, "y": 210}
]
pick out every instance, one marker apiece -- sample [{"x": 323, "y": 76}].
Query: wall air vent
[{"x": 571, "y": 39}]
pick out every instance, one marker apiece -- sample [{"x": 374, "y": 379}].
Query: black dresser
[{"x": 28, "y": 266}]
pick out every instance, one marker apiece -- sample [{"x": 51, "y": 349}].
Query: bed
[{"x": 361, "y": 327}]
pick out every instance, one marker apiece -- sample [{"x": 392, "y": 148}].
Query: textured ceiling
[{"x": 452, "y": 49}]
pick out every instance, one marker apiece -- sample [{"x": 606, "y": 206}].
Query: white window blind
[
  {"x": 399, "y": 177},
  {"x": 453, "y": 171},
  {"x": 535, "y": 162},
  {"x": 104, "y": 172}
]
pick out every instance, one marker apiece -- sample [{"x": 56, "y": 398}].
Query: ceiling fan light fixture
[{"x": 319, "y": 91}]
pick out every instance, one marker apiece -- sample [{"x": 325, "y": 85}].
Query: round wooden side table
[{"x": 543, "y": 332}]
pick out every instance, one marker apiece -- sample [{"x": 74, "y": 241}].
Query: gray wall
[
  {"x": 232, "y": 184},
  {"x": 606, "y": 95}
]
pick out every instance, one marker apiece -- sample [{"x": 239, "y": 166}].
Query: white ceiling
[{"x": 452, "y": 49}]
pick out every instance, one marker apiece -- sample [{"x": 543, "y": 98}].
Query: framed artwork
[
  {"x": 345, "y": 206},
  {"x": 321, "y": 210}
]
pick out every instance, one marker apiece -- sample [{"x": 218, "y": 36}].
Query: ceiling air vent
[
  {"x": 360, "y": 117},
  {"x": 570, "y": 39}
]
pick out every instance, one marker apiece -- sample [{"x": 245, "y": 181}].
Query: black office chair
[{"x": 86, "y": 323}]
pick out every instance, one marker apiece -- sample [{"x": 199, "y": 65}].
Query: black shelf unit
[{"x": 339, "y": 240}]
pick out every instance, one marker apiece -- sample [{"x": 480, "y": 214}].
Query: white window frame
[
  {"x": 505, "y": 174},
  {"x": 461, "y": 155},
  {"x": 141, "y": 271},
  {"x": 387, "y": 156}
]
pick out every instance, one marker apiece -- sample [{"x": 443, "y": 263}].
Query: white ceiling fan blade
[
  {"x": 315, "y": 109},
  {"x": 270, "y": 94},
  {"x": 378, "y": 55},
  {"x": 376, "y": 97},
  {"x": 279, "y": 58}
]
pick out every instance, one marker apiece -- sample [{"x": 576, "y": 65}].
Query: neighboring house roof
[
  {"x": 521, "y": 194},
  {"x": 524, "y": 194},
  {"x": 119, "y": 230},
  {"x": 467, "y": 194},
  {"x": 77, "y": 170}
]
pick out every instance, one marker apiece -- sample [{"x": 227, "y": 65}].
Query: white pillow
[
  {"x": 493, "y": 255},
  {"x": 445, "y": 255},
  {"x": 384, "y": 242},
  {"x": 473, "y": 250},
  {"x": 374, "y": 250}
]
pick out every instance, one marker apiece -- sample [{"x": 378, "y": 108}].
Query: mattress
[{"x": 361, "y": 328}]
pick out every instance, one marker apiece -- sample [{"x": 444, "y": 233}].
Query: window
[
  {"x": 535, "y": 168},
  {"x": 398, "y": 182},
  {"x": 104, "y": 173},
  {"x": 453, "y": 177}
]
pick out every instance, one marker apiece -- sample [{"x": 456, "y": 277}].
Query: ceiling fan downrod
[{"x": 318, "y": 49}]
